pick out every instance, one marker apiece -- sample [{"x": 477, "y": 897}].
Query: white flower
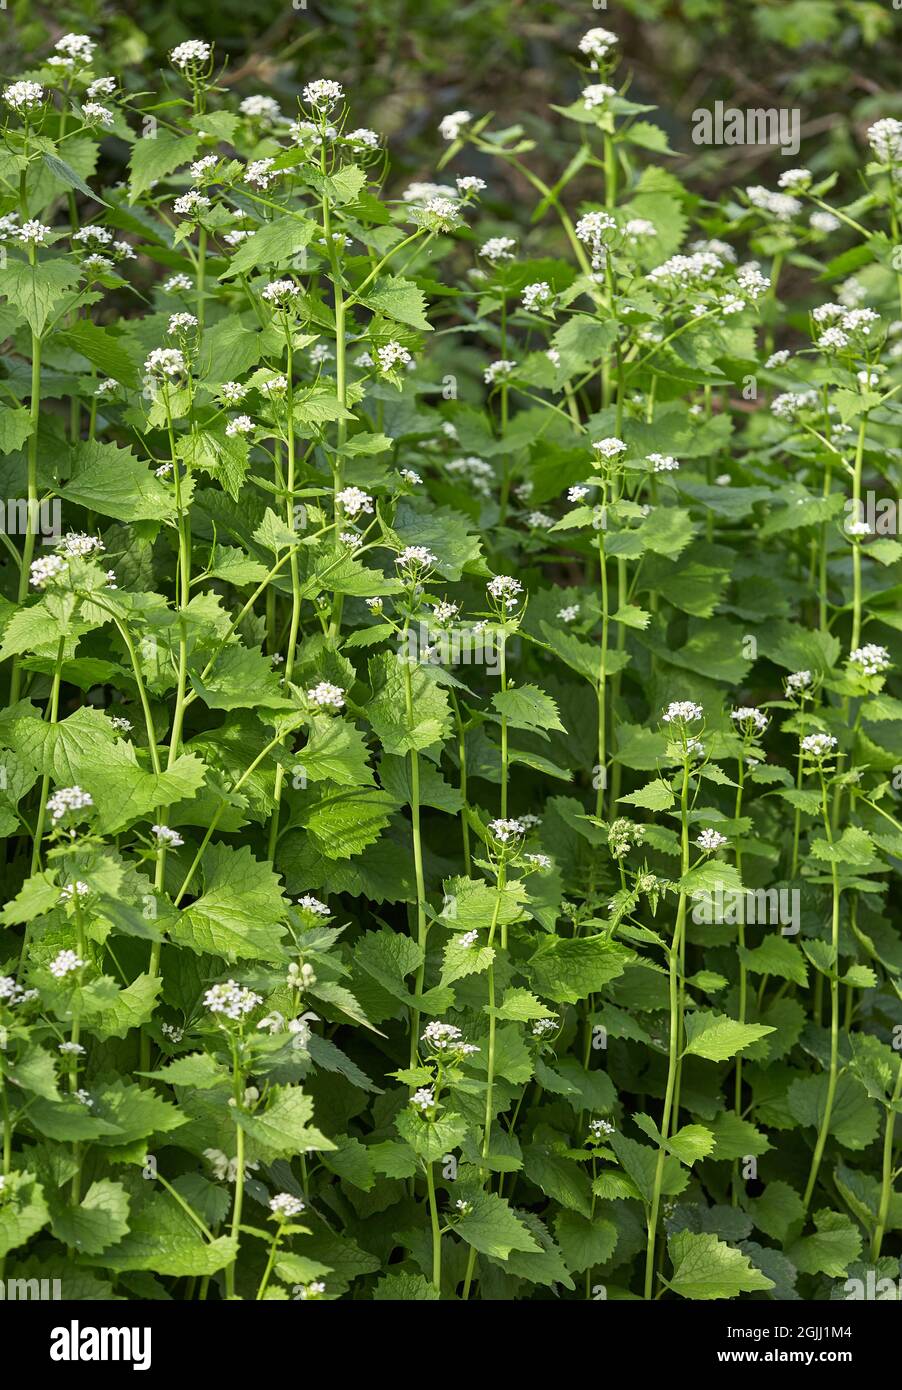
[
  {"x": 794, "y": 178},
  {"x": 538, "y": 295},
  {"x": 788, "y": 405},
  {"x": 163, "y": 362},
  {"x": 591, "y": 229},
  {"x": 824, "y": 221},
  {"x": 597, "y": 94},
  {"x": 798, "y": 681},
  {"x": 885, "y": 139},
  {"x": 354, "y": 501},
  {"x": 441, "y": 1036},
  {"x": 170, "y": 1031},
  {"x": 165, "y": 835},
  {"x": 325, "y": 695},
  {"x": 312, "y": 1292},
  {"x": 231, "y": 392},
  {"x": 446, "y": 612},
  {"x": 312, "y": 904},
  {"x": 79, "y": 543},
  {"x": 99, "y": 264},
  {"x": 872, "y": 659},
  {"x": 498, "y": 371},
  {"x": 751, "y": 717},
  {"x": 469, "y": 184},
  {"x": 78, "y": 889},
  {"x": 570, "y": 613},
  {"x": 231, "y": 999},
  {"x": 859, "y": 320},
  {"x": 479, "y": 474},
  {"x": 498, "y": 248},
  {"x": 662, "y": 463},
  {"x": 781, "y": 206},
  {"x": 190, "y": 53},
  {"x": 84, "y": 1097},
  {"x": 411, "y": 476},
  {"x": 416, "y": 557},
  {"x": 363, "y": 139},
  {"x": 274, "y": 387},
  {"x": 577, "y": 493},
  {"x": 506, "y": 830},
  {"x": 121, "y": 724},
  {"x": 468, "y": 939},
  {"x": 858, "y": 529},
  {"x": 504, "y": 589},
  {"x": 68, "y": 799},
  {"x": 201, "y": 167},
  {"x": 70, "y": 1049},
  {"x": 450, "y": 126},
  {"x": 424, "y": 1098},
  {"x": 350, "y": 539},
  {"x": 710, "y": 840},
  {"x": 637, "y": 227},
  {"x": 778, "y": 359},
  {"x": 323, "y": 93},
  {"x": 64, "y": 963},
  {"x": 374, "y": 604},
  {"x": 391, "y": 355},
  {"x": 818, "y": 745},
  {"x": 601, "y": 1129},
  {"x": 235, "y": 238},
  {"x": 833, "y": 340},
  {"x": 178, "y": 282},
  {"x": 46, "y": 568},
  {"x": 101, "y": 87},
  {"x": 78, "y": 46},
  {"x": 684, "y": 272},
  {"x": 242, "y": 424},
  {"x": 264, "y": 107},
  {"x": 597, "y": 44},
  {"x": 190, "y": 204},
  {"x": 751, "y": 281},
  {"x": 539, "y": 521},
  {"x": 23, "y": 96},
  {"x": 180, "y": 323},
  {"x": 34, "y": 231},
  {"x": 543, "y": 1026},
  {"x": 609, "y": 448},
  {"x": 682, "y": 712},
  {"x": 554, "y": 356},
  {"x": 538, "y": 861},
  {"x": 284, "y": 1206},
  {"x": 281, "y": 292},
  {"x": 95, "y": 114},
  {"x": 260, "y": 173}
]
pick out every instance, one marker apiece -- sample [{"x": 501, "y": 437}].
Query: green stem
[
  {"x": 886, "y": 1187},
  {"x": 834, "y": 1015}
]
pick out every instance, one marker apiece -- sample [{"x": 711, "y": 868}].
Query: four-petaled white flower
[
  {"x": 710, "y": 840},
  {"x": 325, "y": 695}
]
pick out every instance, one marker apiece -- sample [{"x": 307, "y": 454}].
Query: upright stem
[
  {"x": 436, "y": 1230},
  {"x": 886, "y": 1186},
  {"x": 834, "y": 1014},
  {"x": 417, "y": 844},
  {"x": 31, "y": 525},
  {"x": 676, "y": 1030}
]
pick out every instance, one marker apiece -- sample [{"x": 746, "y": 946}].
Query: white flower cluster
[
  {"x": 415, "y": 558},
  {"x": 231, "y": 999},
  {"x": 818, "y": 745},
  {"x": 392, "y": 355},
  {"x": 165, "y": 835},
  {"x": 165, "y": 362},
  {"x": 190, "y": 54},
  {"x": 590, "y": 230},
  {"x": 46, "y": 568},
  {"x": 781, "y": 206},
  {"x": 788, "y": 405},
  {"x": 504, "y": 589},
  {"x": 537, "y": 296},
  {"x": 601, "y": 1129},
  {"x": 885, "y": 139},
  {"x": 323, "y": 93},
  {"x": 682, "y": 272},
  {"x": 662, "y": 463},
  {"x": 445, "y": 1037},
  {"x": 65, "y": 963},
  {"x": 325, "y": 695},
  {"x": 750, "y": 717},
  {"x": 682, "y": 712},
  {"x": 710, "y": 840},
  {"x": 498, "y": 248},
  {"x": 284, "y": 1206},
  {"x": 597, "y": 45},
  {"x": 450, "y": 126},
  {"x": 871, "y": 659},
  {"x": 506, "y": 830},
  {"x": 479, "y": 474},
  {"x": 66, "y": 800},
  {"x": 24, "y": 96},
  {"x": 354, "y": 501},
  {"x": 597, "y": 94},
  {"x": 799, "y": 681},
  {"x": 501, "y": 370},
  {"x": 11, "y": 994}
]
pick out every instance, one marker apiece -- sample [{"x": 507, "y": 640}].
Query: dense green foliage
[{"x": 451, "y": 757}]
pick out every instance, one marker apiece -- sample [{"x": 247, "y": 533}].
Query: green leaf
[
  {"x": 401, "y": 300},
  {"x": 240, "y": 912},
  {"x": 831, "y": 1251},
  {"x": 99, "y": 1221},
  {"x": 23, "y": 1211},
  {"x": 717, "y": 1038},
  {"x": 107, "y": 479},
  {"x": 705, "y": 1268},
  {"x": 493, "y": 1229},
  {"x": 282, "y": 1129},
  {"x": 155, "y": 156},
  {"x": 654, "y": 796},
  {"x": 37, "y": 291},
  {"x": 567, "y": 970},
  {"x": 273, "y": 243}
]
